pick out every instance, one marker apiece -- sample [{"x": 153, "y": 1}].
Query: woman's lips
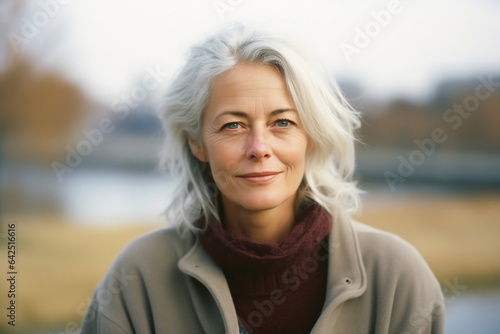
[{"x": 259, "y": 178}]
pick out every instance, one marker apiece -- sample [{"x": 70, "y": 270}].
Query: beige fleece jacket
[{"x": 162, "y": 283}]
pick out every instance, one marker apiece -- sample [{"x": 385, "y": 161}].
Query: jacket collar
[
  {"x": 199, "y": 265},
  {"x": 346, "y": 276},
  {"x": 346, "y": 272}
]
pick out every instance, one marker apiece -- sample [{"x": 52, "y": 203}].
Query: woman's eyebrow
[
  {"x": 233, "y": 113},
  {"x": 245, "y": 115},
  {"x": 279, "y": 111}
]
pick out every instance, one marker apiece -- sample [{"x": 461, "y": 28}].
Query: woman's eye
[
  {"x": 283, "y": 123},
  {"x": 232, "y": 126}
]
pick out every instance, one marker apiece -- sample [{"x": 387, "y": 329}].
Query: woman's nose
[{"x": 258, "y": 145}]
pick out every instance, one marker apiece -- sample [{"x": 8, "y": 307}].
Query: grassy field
[
  {"x": 59, "y": 264},
  {"x": 458, "y": 236}
]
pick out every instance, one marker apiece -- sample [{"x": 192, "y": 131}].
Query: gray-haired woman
[{"x": 261, "y": 143}]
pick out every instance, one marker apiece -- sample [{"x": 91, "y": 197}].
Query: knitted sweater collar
[{"x": 256, "y": 268}]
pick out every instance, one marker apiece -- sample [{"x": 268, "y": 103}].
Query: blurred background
[{"x": 80, "y": 82}]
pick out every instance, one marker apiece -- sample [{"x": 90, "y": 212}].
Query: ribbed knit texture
[{"x": 276, "y": 287}]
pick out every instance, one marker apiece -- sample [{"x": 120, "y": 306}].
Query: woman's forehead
[{"x": 250, "y": 83}]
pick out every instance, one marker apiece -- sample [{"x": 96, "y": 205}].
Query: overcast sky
[{"x": 107, "y": 45}]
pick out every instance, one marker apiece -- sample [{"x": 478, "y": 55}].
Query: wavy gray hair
[{"x": 326, "y": 115}]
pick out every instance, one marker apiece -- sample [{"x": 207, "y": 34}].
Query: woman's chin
[{"x": 262, "y": 202}]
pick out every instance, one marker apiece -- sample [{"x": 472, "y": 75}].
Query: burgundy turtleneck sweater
[{"x": 276, "y": 287}]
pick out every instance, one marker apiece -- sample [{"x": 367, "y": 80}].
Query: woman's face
[{"x": 253, "y": 139}]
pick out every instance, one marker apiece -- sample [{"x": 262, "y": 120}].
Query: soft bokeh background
[{"x": 80, "y": 82}]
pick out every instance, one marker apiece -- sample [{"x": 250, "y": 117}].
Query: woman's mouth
[{"x": 259, "y": 178}]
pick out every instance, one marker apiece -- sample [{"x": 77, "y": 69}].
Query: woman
[{"x": 263, "y": 148}]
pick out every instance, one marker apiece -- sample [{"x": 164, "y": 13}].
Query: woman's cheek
[{"x": 223, "y": 165}]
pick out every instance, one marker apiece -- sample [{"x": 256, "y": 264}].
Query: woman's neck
[{"x": 271, "y": 225}]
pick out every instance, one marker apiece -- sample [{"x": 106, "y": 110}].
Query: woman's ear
[{"x": 197, "y": 149}]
